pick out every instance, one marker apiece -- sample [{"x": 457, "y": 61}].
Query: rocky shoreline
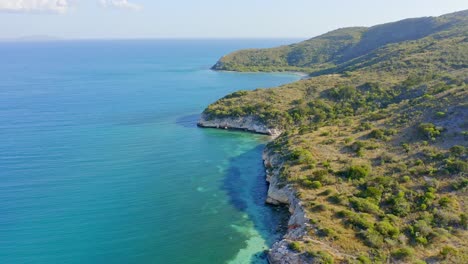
[
  {"x": 278, "y": 193},
  {"x": 244, "y": 123}
]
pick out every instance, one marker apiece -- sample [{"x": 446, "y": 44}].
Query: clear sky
[{"x": 205, "y": 18}]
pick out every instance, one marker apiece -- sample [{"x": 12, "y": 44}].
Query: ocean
[{"x": 101, "y": 160}]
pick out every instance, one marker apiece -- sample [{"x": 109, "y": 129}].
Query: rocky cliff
[
  {"x": 246, "y": 123},
  {"x": 298, "y": 223}
]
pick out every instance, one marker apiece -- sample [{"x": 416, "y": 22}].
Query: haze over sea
[{"x": 101, "y": 160}]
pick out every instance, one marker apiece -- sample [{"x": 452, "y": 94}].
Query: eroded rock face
[
  {"x": 246, "y": 123},
  {"x": 281, "y": 254},
  {"x": 298, "y": 223}
]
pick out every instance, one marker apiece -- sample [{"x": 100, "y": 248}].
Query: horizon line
[{"x": 58, "y": 39}]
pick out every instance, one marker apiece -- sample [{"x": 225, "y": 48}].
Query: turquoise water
[{"x": 101, "y": 161}]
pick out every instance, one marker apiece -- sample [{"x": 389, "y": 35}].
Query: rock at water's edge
[{"x": 246, "y": 123}]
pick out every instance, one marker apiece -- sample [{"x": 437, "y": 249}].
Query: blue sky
[{"x": 204, "y": 18}]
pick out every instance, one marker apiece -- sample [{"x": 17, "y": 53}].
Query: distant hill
[
  {"x": 33, "y": 38},
  {"x": 338, "y": 49}
]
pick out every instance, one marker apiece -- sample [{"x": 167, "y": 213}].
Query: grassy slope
[{"x": 376, "y": 142}]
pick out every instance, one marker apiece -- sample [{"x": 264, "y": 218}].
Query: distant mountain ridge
[{"x": 334, "y": 49}]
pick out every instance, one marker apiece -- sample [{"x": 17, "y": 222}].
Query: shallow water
[{"x": 101, "y": 161}]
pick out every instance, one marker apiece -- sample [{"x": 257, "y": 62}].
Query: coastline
[
  {"x": 278, "y": 193},
  {"x": 303, "y": 75}
]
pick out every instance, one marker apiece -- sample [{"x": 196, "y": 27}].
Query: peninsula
[{"x": 369, "y": 152}]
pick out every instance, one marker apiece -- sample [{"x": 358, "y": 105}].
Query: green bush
[
  {"x": 321, "y": 257},
  {"x": 405, "y": 253},
  {"x": 446, "y": 202},
  {"x": 440, "y": 114},
  {"x": 456, "y": 166},
  {"x": 420, "y": 231},
  {"x": 373, "y": 238},
  {"x": 447, "y": 251},
  {"x": 316, "y": 185},
  {"x": 236, "y": 94},
  {"x": 319, "y": 208},
  {"x": 327, "y": 232},
  {"x": 358, "y": 171},
  {"x": 364, "y": 205},
  {"x": 429, "y": 130},
  {"x": 337, "y": 199},
  {"x": 377, "y": 133},
  {"x": 364, "y": 260},
  {"x": 387, "y": 229},
  {"x": 457, "y": 150},
  {"x": 358, "y": 221},
  {"x": 406, "y": 178},
  {"x": 295, "y": 246},
  {"x": 371, "y": 192},
  {"x": 320, "y": 175},
  {"x": 399, "y": 205},
  {"x": 301, "y": 156}
]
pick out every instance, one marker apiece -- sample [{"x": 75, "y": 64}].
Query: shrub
[
  {"x": 446, "y": 202},
  {"x": 399, "y": 205},
  {"x": 364, "y": 260},
  {"x": 373, "y": 238},
  {"x": 374, "y": 193},
  {"x": 440, "y": 114},
  {"x": 316, "y": 185},
  {"x": 445, "y": 218},
  {"x": 337, "y": 199},
  {"x": 456, "y": 166},
  {"x": 420, "y": 231},
  {"x": 301, "y": 156},
  {"x": 364, "y": 205},
  {"x": 387, "y": 229},
  {"x": 236, "y": 94},
  {"x": 319, "y": 208},
  {"x": 327, "y": 232},
  {"x": 405, "y": 253},
  {"x": 321, "y": 257},
  {"x": 356, "y": 220},
  {"x": 406, "y": 178},
  {"x": 320, "y": 175},
  {"x": 326, "y": 192},
  {"x": 358, "y": 145},
  {"x": 365, "y": 126},
  {"x": 406, "y": 147},
  {"x": 429, "y": 130},
  {"x": 358, "y": 171},
  {"x": 377, "y": 133},
  {"x": 460, "y": 184},
  {"x": 446, "y": 251},
  {"x": 295, "y": 246},
  {"x": 457, "y": 150}
]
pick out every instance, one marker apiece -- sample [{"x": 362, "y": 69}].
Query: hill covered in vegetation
[
  {"x": 339, "y": 49},
  {"x": 375, "y": 142}
]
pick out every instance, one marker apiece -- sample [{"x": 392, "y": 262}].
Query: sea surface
[{"x": 101, "y": 160}]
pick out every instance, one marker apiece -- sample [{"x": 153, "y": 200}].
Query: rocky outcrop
[
  {"x": 246, "y": 123},
  {"x": 298, "y": 224}
]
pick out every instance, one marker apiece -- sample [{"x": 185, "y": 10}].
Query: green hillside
[
  {"x": 338, "y": 49},
  {"x": 375, "y": 141}
]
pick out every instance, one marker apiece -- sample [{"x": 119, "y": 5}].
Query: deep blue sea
[{"x": 101, "y": 160}]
